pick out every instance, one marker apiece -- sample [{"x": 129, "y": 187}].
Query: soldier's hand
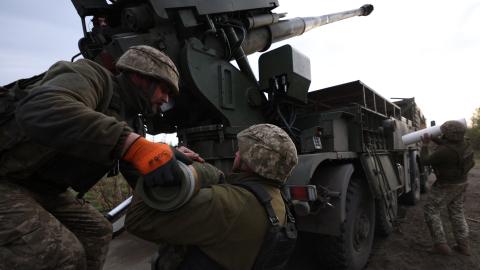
[
  {"x": 426, "y": 138},
  {"x": 190, "y": 154},
  {"x": 155, "y": 161},
  {"x": 180, "y": 156}
]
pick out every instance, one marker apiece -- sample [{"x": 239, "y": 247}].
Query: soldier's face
[
  {"x": 160, "y": 94},
  {"x": 157, "y": 92},
  {"x": 239, "y": 165}
]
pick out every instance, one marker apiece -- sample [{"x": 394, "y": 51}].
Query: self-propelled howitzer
[
  {"x": 202, "y": 38},
  {"x": 352, "y": 167}
]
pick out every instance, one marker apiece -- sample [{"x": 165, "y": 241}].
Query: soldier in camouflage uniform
[
  {"x": 66, "y": 129},
  {"x": 223, "y": 225},
  {"x": 449, "y": 189}
]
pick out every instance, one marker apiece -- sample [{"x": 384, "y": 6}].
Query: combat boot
[
  {"x": 442, "y": 248},
  {"x": 462, "y": 247}
]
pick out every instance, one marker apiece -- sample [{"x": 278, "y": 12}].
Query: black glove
[{"x": 167, "y": 175}]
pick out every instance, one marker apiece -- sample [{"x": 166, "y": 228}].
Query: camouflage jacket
[
  {"x": 225, "y": 221},
  {"x": 445, "y": 162},
  {"x": 68, "y": 128}
]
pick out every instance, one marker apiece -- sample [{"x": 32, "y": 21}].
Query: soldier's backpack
[
  {"x": 279, "y": 241},
  {"x": 10, "y": 94},
  {"x": 14, "y": 140},
  {"x": 466, "y": 159},
  {"x": 6, "y": 105}
]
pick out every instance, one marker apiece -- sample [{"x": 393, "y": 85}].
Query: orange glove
[{"x": 155, "y": 161}]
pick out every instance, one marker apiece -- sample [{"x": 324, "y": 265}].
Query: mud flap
[{"x": 328, "y": 220}]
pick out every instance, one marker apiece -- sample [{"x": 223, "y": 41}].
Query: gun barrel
[{"x": 260, "y": 39}]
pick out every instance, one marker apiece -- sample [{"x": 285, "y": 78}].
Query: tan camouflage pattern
[
  {"x": 451, "y": 197},
  {"x": 453, "y": 130},
  {"x": 150, "y": 62},
  {"x": 50, "y": 232},
  {"x": 268, "y": 151}
]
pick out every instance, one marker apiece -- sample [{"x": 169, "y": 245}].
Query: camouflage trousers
[
  {"x": 50, "y": 231},
  {"x": 451, "y": 197}
]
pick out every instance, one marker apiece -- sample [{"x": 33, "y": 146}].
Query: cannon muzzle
[{"x": 260, "y": 39}]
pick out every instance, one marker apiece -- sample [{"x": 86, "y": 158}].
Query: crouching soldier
[
  {"x": 65, "y": 129},
  {"x": 224, "y": 226}
]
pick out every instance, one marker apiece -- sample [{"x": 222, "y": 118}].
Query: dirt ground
[{"x": 408, "y": 247}]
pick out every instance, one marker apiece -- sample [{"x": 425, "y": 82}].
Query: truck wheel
[
  {"x": 386, "y": 214},
  {"x": 413, "y": 196},
  {"x": 423, "y": 179},
  {"x": 352, "y": 248}
]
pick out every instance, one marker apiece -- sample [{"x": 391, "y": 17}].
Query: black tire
[
  {"x": 351, "y": 250},
  {"x": 424, "y": 172},
  {"x": 413, "y": 196},
  {"x": 386, "y": 221}
]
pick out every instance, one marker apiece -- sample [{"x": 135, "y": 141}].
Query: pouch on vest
[
  {"x": 279, "y": 241},
  {"x": 466, "y": 159}
]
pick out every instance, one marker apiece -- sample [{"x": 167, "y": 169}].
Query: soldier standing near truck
[
  {"x": 451, "y": 162},
  {"x": 67, "y": 128}
]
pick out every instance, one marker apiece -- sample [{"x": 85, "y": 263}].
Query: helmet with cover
[
  {"x": 453, "y": 130},
  {"x": 150, "y": 62},
  {"x": 268, "y": 151}
]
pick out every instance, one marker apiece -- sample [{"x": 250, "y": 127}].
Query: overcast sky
[{"x": 425, "y": 49}]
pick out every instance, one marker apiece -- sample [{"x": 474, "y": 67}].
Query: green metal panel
[
  {"x": 381, "y": 174},
  {"x": 211, "y": 6},
  {"x": 307, "y": 164},
  {"x": 336, "y": 178},
  {"x": 221, "y": 84},
  {"x": 286, "y": 60}
]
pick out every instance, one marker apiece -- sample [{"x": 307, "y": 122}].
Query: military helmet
[
  {"x": 150, "y": 62},
  {"x": 453, "y": 130},
  {"x": 268, "y": 151}
]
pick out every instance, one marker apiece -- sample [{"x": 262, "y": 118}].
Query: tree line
[{"x": 473, "y": 132}]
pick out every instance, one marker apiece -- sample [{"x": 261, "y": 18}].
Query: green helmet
[
  {"x": 268, "y": 151},
  {"x": 453, "y": 130},
  {"x": 150, "y": 62}
]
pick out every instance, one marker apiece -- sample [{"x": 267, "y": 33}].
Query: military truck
[{"x": 353, "y": 167}]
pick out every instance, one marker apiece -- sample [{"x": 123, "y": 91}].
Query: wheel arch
[{"x": 335, "y": 176}]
